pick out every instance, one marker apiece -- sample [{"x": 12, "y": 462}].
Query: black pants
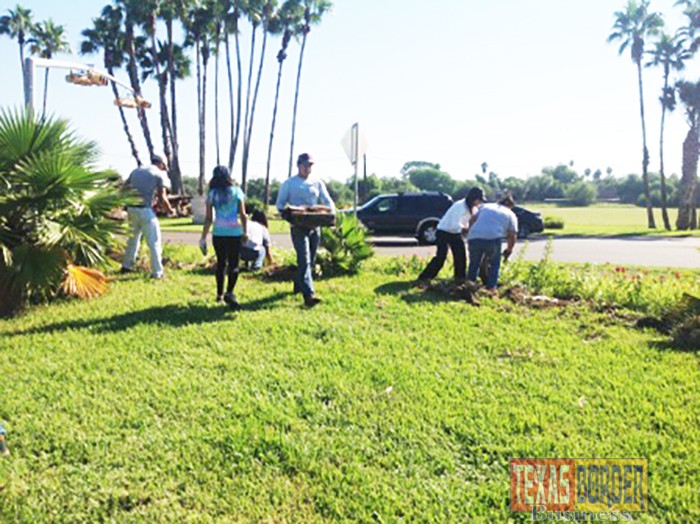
[
  {"x": 228, "y": 253},
  {"x": 456, "y": 245}
]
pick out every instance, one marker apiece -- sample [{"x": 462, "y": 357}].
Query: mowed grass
[
  {"x": 607, "y": 220},
  {"x": 155, "y": 404},
  {"x": 185, "y": 225}
]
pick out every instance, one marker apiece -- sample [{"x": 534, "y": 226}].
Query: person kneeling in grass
[
  {"x": 227, "y": 203},
  {"x": 256, "y": 250},
  {"x": 489, "y": 226}
]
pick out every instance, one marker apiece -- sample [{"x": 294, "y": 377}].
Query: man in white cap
[{"x": 147, "y": 183}]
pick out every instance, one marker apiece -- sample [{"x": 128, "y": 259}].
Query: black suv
[
  {"x": 528, "y": 222},
  {"x": 416, "y": 214}
]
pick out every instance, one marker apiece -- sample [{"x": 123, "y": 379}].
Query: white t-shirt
[
  {"x": 258, "y": 235},
  {"x": 455, "y": 218}
]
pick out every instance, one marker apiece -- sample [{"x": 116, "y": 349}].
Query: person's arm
[
  {"x": 325, "y": 197},
  {"x": 243, "y": 217},
  {"x": 511, "y": 243},
  {"x": 473, "y": 219},
  {"x": 164, "y": 202},
  {"x": 208, "y": 219},
  {"x": 282, "y": 196}
]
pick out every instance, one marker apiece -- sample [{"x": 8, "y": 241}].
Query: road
[{"x": 640, "y": 251}]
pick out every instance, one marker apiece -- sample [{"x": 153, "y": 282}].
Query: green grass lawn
[
  {"x": 186, "y": 225},
  {"x": 606, "y": 220},
  {"x": 155, "y": 404}
]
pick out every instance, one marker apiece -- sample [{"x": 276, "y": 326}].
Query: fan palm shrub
[
  {"x": 53, "y": 208},
  {"x": 344, "y": 247}
]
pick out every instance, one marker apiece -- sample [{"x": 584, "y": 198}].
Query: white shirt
[
  {"x": 493, "y": 221},
  {"x": 258, "y": 235},
  {"x": 456, "y": 218}
]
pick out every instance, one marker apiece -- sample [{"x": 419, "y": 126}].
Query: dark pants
[
  {"x": 478, "y": 249},
  {"x": 456, "y": 245},
  {"x": 306, "y": 243},
  {"x": 228, "y": 252}
]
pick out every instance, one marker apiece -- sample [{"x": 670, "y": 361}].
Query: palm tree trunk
[
  {"x": 134, "y": 80},
  {"x": 203, "y": 131},
  {"x": 272, "y": 133},
  {"x": 296, "y": 103},
  {"x": 231, "y": 151},
  {"x": 255, "y": 98},
  {"x": 175, "y": 166},
  {"x": 46, "y": 90},
  {"x": 199, "y": 119},
  {"x": 125, "y": 123},
  {"x": 688, "y": 184},
  {"x": 246, "y": 119},
  {"x": 664, "y": 209},
  {"x": 216, "y": 101},
  {"x": 645, "y": 159}
]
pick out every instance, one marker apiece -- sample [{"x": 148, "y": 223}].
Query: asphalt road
[{"x": 640, "y": 251}]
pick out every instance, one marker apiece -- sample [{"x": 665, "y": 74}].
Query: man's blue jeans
[
  {"x": 478, "y": 248},
  {"x": 305, "y": 244}
]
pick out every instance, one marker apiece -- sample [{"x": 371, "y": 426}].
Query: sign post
[{"x": 354, "y": 146}]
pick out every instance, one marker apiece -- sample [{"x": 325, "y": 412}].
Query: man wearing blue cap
[{"x": 305, "y": 190}]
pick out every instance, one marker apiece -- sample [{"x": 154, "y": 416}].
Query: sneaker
[
  {"x": 312, "y": 301},
  {"x": 158, "y": 277},
  {"x": 219, "y": 298},
  {"x": 231, "y": 301}
]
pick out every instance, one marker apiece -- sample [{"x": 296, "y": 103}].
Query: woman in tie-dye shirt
[{"x": 226, "y": 209}]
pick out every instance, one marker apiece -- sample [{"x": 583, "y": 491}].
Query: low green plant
[
  {"x": 344, "y": 247},
  {"x": 53, "y": 208},
  {"x": 553, "y": 222}
]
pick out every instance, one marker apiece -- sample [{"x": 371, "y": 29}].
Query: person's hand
[
  {"x": 203, "y": 245},
  {"x": 244, "y": 239}
]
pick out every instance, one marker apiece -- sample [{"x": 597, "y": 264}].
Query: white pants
[{"x": 143, "y": 221}]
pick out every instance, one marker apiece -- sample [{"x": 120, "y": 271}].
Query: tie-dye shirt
[{"x": 226, "y": 203}]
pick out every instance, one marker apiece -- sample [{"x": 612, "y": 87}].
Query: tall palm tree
[
  {"x": 632, "y": 26},
  {"x": 17, "y": 23},
  {"x": 689, "y": 94},
  {"x": 288, "y": 17},
  {"x": 670, "y": 53},
  {"x": 313, "y": 12},
  {"x": 233, "y": 16},
  {"x": 105, "y": 35},
  {"x": 132, "y": 9},
  {"x": 47, "y": 40}
]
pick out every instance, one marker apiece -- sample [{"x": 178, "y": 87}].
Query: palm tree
[
  {"x": 132, "y": 45},
  {"x": 105, "y": 35},
  {"x": 632, "y": 26},
  {"x": 17, "y": 24},
  {"x": 47, "y": 40},
  {"x": 689, "y": 94},
  {"x": 199, "y": 23},
  {"x": 288, "y": 17},
  {"x": 313, "y": 12},
  {"x": 53, "y": 211},
  {"x": 670, "y": 53},
  {"x": 231, "y": 26}
]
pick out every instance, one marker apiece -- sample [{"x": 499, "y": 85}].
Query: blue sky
[{"x": 519, "y": 84}]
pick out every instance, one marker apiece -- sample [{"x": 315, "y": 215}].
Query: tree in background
[
  {"x": 689, "y": 94},
  {"x": 48, "y": 39},
  {"x": 313, "y": 12},
  {"x": 670, "y": 53},
  {"x": 632, "y": 26},
  {"x": 17, "y": 23}
]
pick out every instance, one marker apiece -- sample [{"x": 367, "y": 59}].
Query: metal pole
[
  {"x": 29, "y": 84},
  {"x": 356, "y": 160}
]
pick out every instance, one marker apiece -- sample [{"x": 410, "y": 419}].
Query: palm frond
[{"x": 84, "y": 282}]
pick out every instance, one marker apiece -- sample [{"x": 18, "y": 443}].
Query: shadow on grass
[
  {"x": 420, "y": 293},
  {"x": 170, "y": 315}
]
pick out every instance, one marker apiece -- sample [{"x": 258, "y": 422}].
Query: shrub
[
  {"x": 553, "y": 222},
  {"x": 53, "y": 211},
  {"x": 581, "y": 193},
  {"x": 344, "y": 247}
]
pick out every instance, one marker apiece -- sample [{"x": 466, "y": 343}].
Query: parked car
[
  {"x": 528, "y": 221},
  {"x": 415, "y": 214}
]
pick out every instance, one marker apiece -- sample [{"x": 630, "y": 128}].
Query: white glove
[{"x": 203, "y": 246}]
